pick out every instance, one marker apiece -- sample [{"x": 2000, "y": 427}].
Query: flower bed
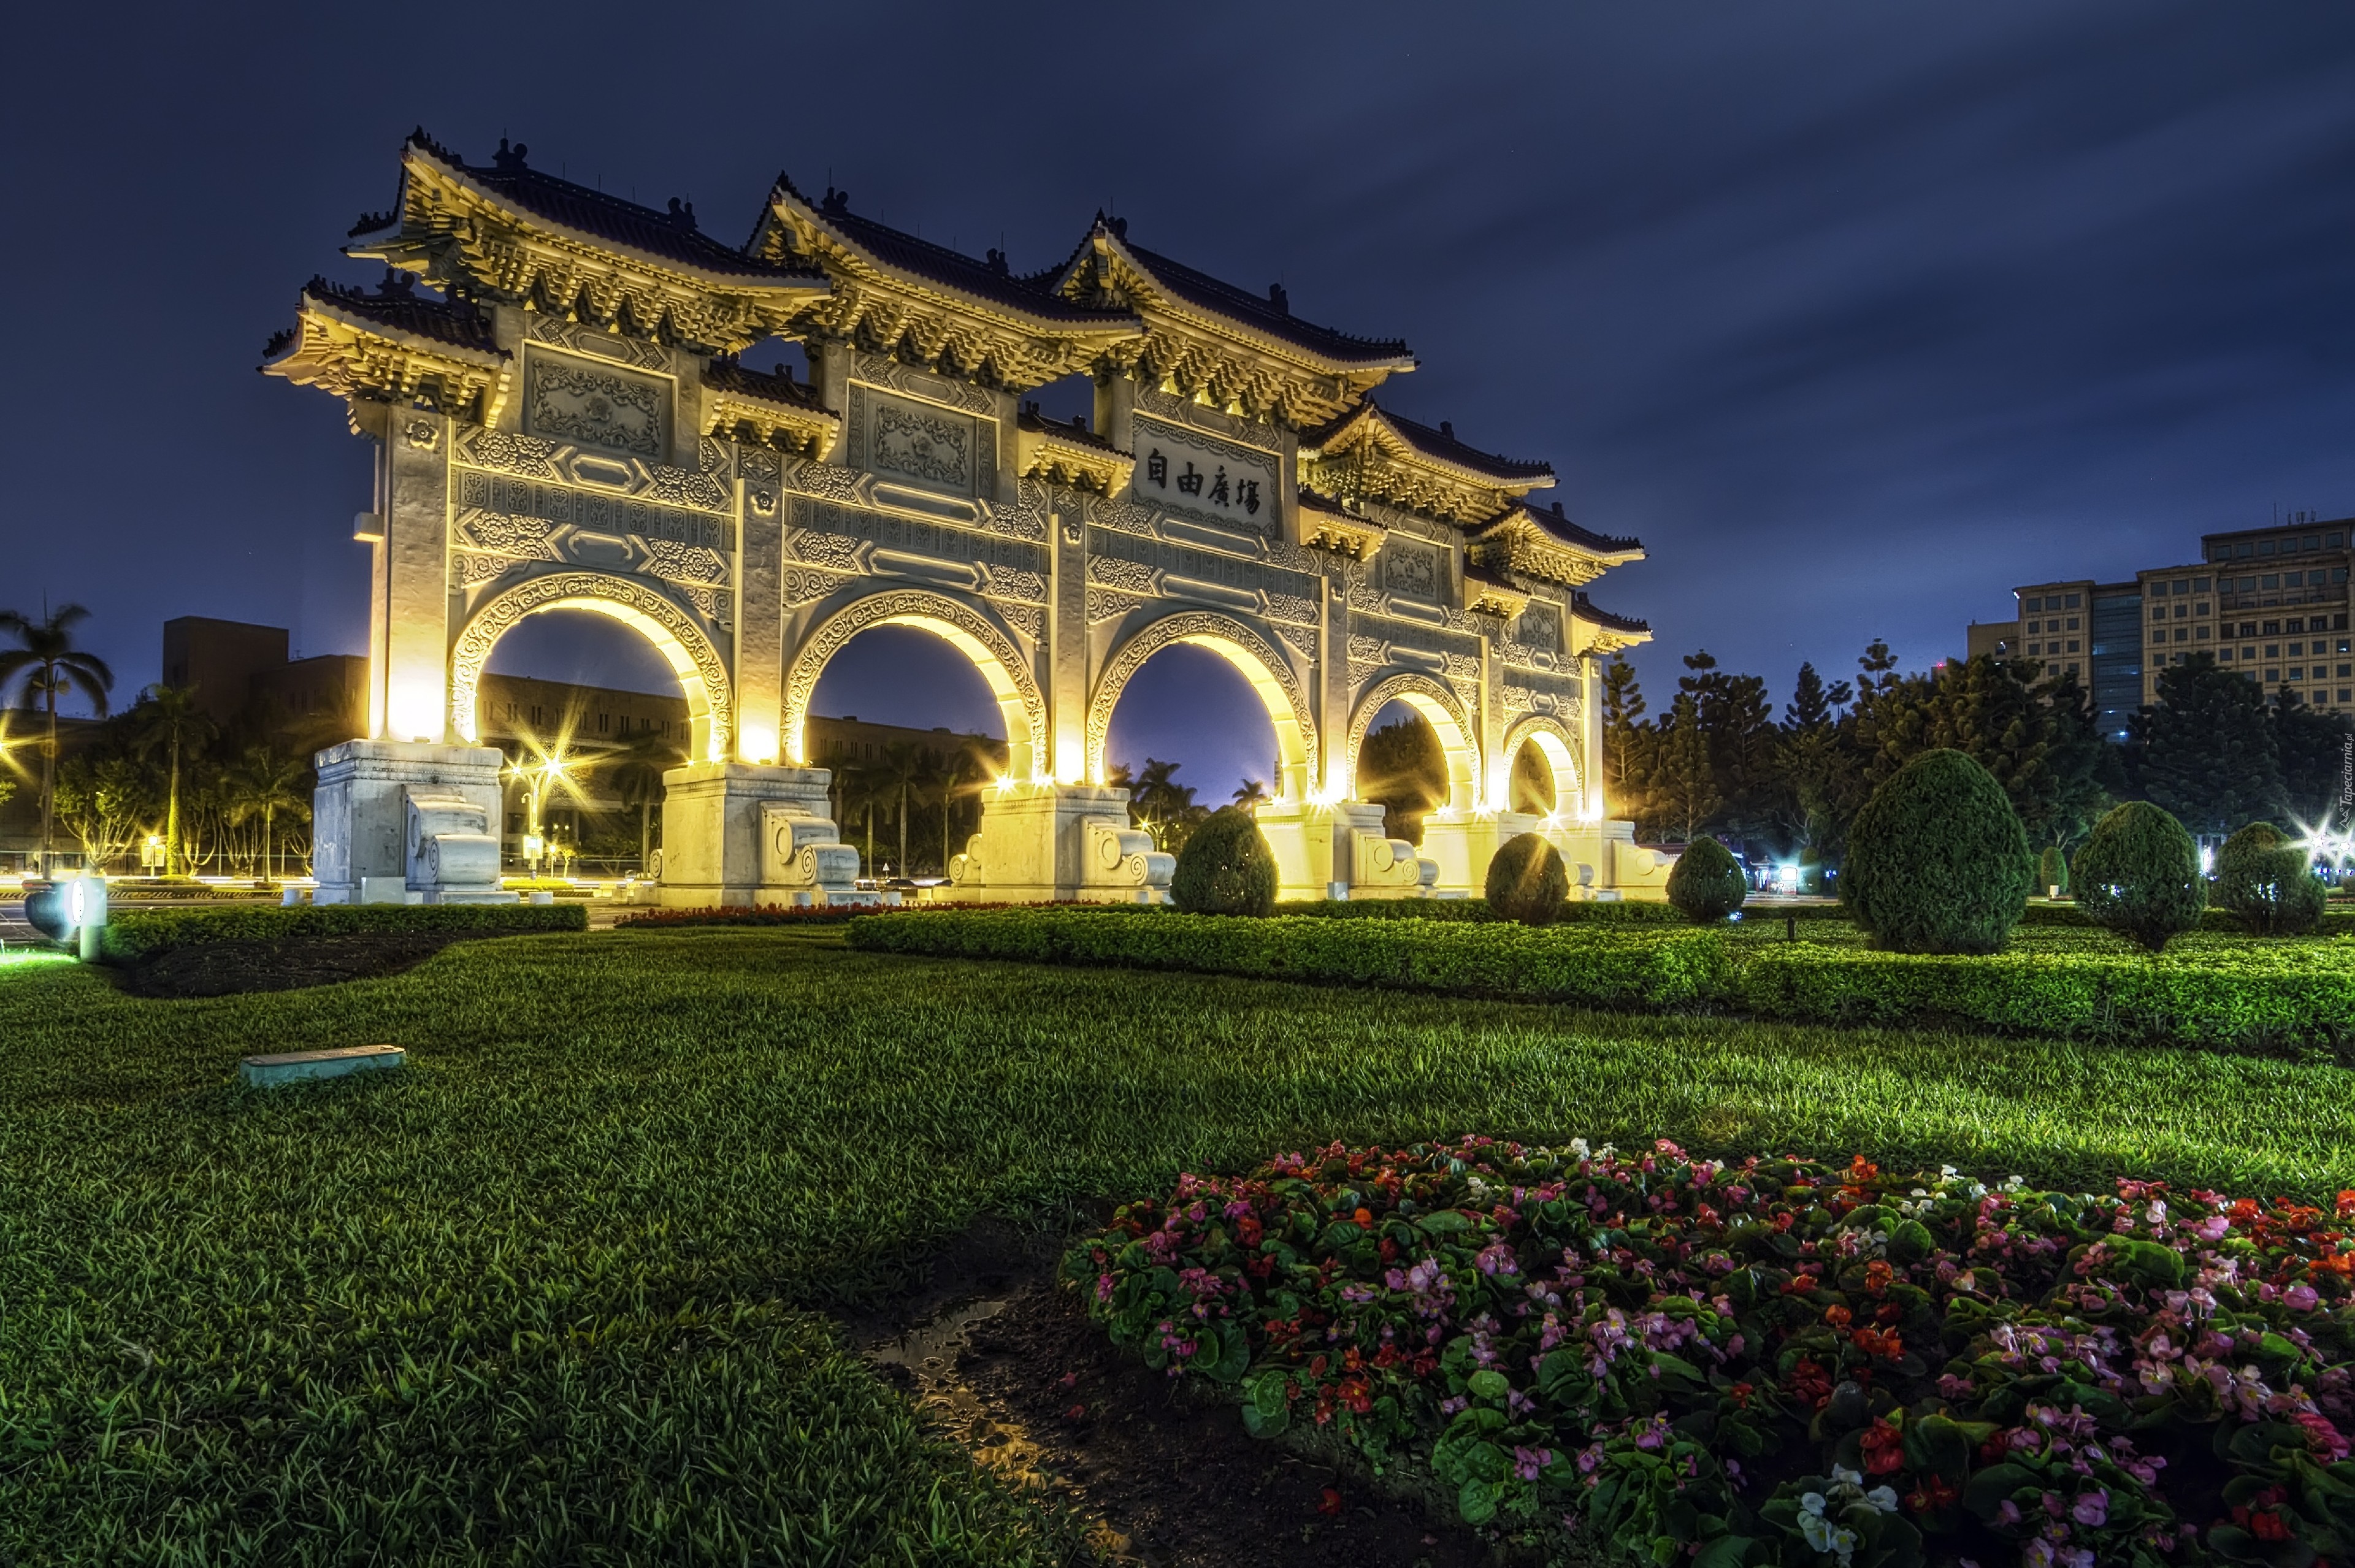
[{"x": 1777, "y": 1361}]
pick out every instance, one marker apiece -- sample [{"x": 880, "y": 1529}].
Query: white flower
[
  {"x": 1578, "y": 1147},
  {"x": 2014, "y": 1184},
  {"x": 1882, "y": 1498},
  {"x": 1823, "y": 1536},
  {"x": 1813, "y": 1502},
  {"x": 1846, "y": 1477}
]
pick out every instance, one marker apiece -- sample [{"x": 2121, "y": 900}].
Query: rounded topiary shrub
[
  {"x": 2267, "y": 883},
  {"x": 1706, "y": 882},
  {"x": 1527, "y": 880},
  {"x": 2139, "y": 875},
  {"x": 1225, "y": 868},
  {"x": 2052, "y": 869},
  {"x": 1936, "y": 860}
]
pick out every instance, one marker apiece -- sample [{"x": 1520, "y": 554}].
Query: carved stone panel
[
  {"x": 1540, "y": 628},
  {"x": 903, "y": 440},
  {"x": 1409, "y": 568},
  {"x": 1196, "y": 474},
  {"x": 567, "y": 399}
]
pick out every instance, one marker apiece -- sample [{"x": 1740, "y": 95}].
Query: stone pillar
[
  {"x": 359, "y": 812},
  {"x": 1302, "y": 835},
  {"x": 760, "y": 631},
  {"x": 410, "y": 621},
  {"x": 1067, "y": 640},
  {"x": 713, "y": 843}
]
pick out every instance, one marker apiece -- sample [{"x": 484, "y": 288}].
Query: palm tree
[
  {"x": 903, "y": 766},
  {"x": 1158, "y": 800},
  {"x": 268, "y": 781},
  {"x": 52, "y": 666},
  {"x": 957, "y": 774},
  {"x": 1252, "y": 793},
  {"x": 858, "y": 787},
  {"x": 637, "y": 769},
  {"x": 166, "y": 718}
]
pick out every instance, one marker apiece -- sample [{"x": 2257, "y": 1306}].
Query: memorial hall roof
[
  {"x": 1551, "y": 520},
  {"x": 777, "y": 387},
  {"x": 586, "y": 213},
  {"x": 1438, "y": 445},
  {"x": 398, "y": 308},
  {"x": 1269, "y": 313},
  {"x": 897, "y": 250},
  {"x": 1627, "y": 625}
]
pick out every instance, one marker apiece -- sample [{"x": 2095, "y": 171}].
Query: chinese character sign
[{"x": 1219, "y": 480}]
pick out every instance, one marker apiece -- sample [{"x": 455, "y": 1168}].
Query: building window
[
  {"x": 2248, "y": 653},
  {"x": 2032, "y": 606},
  {"x": 2072, "y": 667},
  {"x": 2201, "y": 636},
  {"x": 2272, "y": 676},
  {"x": 2297, "y": 672},
  {"x": 2273, "y": 650},
  {"x": 2270, "y": 580},
  {"x": 2272, "y": 628},
  {"x": 2343, "y": 694},
  {"x": 2309, "y": 543},
  {"x": 2158, "y": 614},
  {"x": 2035, "y": 626},
  {"x": 2200, "y": 585},
  {"x": 2071, "y": 603},
  {"x": 2225, "y": 657},
  {"x": 2264, "y": 547},
  {"x": 2200, "y": 608},
  {"x": 2072, "y": 645},
  {"x": 2072, "y": 623}
]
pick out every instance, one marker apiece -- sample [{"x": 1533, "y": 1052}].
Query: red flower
[
  {"x": 1741, "y": 1393},
  {"x": 1934, "y": 1493},
  {"x": 1364, "y": 1217},
  {"x": 1884, "y": 1449},
  {"x": 1810, "y": 1384},
  {"x": 2347, "y": 1204},
  {"x": 1248, "y": 1228},
  {"x": 1876, "y": 1276},
  {"x": 1331, "y": 1504},
  {"x": 1836, "y": 1316}
]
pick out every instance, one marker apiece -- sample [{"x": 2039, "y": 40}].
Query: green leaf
[
  {"x": 1936, "y": 1443},
  {"x": 1445, "y": 1222},
  {"x": 1260, "y": 1423},
  {"x": 1911, "y": 1242},
  {"x": 1476, "y": 1501},
  {"x": 1725, "y": 1552},
  {"x": 1488, "y": 1384},
  {"x": 1991, "y": 1486}
]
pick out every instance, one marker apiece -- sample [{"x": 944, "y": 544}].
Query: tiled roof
[
  {"x": 1474, "y": 572},
  {"x": 1268, "y": 313},
  {"x": 988, "y": 280},
  {"x": 1442, "y": 443},
  {"x": 398, "y": 308},
  {"x": 774, "y": 387},
  {"x": 671, "y": 235},
  {"x": 1562, "y": 529},
  {"x": 1604, "y": 618},
  {"x": 1077, "y": 434}
]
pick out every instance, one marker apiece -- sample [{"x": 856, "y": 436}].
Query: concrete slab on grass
[{"x": 295, "y": 1066}]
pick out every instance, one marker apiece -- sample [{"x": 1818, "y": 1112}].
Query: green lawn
[{"x": 552, "y": 1295}]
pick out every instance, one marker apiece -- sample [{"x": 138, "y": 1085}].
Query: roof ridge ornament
[{"x": 510, "y": 162}]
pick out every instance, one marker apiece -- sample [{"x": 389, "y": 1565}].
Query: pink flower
[
  {"x": 2300, "y": 1297},
  {"x": 2322, "y": 1437},
  {"x": 1104, "y": 1287},
  {"x": 2214, "y": 1228},
  {"x": 2091, "y": 1508},
  {"x": 1528, "y": 1462}
]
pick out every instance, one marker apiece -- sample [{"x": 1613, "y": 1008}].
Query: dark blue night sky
[{"x": 1856, "y": 314}]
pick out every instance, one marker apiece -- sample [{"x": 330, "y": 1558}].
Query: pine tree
[
  {"x": 2315, "y": 761},
  {"x": 1684, "y": 784},
  {"x": 2210, "y": 755},
  {"x": 1810, "y": 706}
]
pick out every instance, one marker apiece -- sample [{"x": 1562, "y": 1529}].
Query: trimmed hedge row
[
  {"x": 1493, "y": 958},
  {"x": 2291, "y": 997},
  {"x": 133, "y": 935}
]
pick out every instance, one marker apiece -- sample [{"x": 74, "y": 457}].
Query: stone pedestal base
[
  {"x": 1039, "y": 843},
  {"x": 736, "y": 834},
  {"x": 360, "y": 818}
]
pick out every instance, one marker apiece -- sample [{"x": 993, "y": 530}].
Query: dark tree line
[{"x": 2215, "y": 751}]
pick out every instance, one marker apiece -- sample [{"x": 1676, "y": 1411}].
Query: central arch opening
[
  {"x": 1189, "y": 734},
  {"x": 915, "y": 739},
  {"x": 589, "y": 714}
]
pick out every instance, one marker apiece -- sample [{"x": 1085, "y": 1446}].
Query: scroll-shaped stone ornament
[
  {"x": 450, "y": 846},
  {"x": 799, "y": 850},
  {"x": 1123, "y": 856}
]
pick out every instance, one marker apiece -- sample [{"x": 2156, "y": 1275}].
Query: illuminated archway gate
[{"x": 570, "y": 426}]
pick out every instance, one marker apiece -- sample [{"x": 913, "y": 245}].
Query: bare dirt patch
[{"x": 1005, "y": 1362}]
